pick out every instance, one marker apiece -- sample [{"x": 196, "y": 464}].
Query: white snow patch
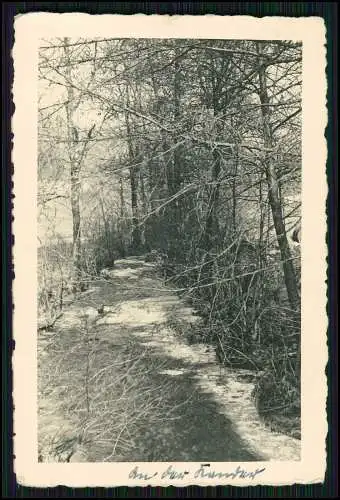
[
  {"x": 138, "y": 313},
  {"x": 124, "y": 273},
  {"x": 172, "y": 373}
]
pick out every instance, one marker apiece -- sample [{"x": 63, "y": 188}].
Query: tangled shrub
[
  {"x": 103, "y": 400},
  {"x": 54, "y": 271}
]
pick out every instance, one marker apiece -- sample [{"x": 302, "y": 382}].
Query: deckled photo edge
[{"x": 31, "y": 473}]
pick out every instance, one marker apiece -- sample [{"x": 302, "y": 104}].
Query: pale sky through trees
[{"x": 52, "y": 91}]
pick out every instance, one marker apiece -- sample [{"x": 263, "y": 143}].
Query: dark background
[{"x": 327, "y": 10}]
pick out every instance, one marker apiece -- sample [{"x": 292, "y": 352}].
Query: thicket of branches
[{"x": 188, "y": 151}]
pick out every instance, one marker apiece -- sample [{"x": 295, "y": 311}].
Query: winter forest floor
[{"x": 124, "y": 384}]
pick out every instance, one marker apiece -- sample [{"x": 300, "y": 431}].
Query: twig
[{"x": 49, "y": 326}]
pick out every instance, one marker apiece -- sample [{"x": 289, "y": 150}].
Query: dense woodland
[{"x": 188, "y": 152}]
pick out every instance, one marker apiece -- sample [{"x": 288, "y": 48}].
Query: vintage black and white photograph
[{"x": 168, "y": 247}]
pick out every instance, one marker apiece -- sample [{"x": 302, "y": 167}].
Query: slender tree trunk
[
  {"x": 211, "y": 232},
  {"x": 121, "y": 224},
  {"x": 234, "y": 190},
  {"x": 212, "y": 224},
  {"x": 75, "y": 206},
  {"x": 175, "y": 173},
  {"x": 74, "y": 177},
  {"x": 121, "y": 197},
  {"x": 136, "y": 235},
  {"x": 108, "y": 233},
  {"x": 262, "y": 210},
  {"x": 273, "y": 192}
]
